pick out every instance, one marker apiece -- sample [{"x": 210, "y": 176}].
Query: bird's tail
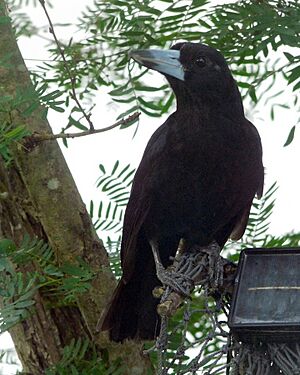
[{"x": 132, "y": 311}]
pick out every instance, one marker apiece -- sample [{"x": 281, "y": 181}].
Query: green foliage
[
  {"x": 14, "y": 110},
  {"x": 10, "y": 135},
  {"x": 58, "y": 283},
  {"x": 17, "y": 291},
  {"x": 115, "y": 186},
  {"x": 115, "y": 189},
  {"x": 259, "y": 219},
  {"x": 23, "y": 25},
  {"x": 30, "y": 250},
  {"x": 108, "y": 217},
  {"x": 257, "y": 38},
  {"x": 72, "y": 280},
  {"x": 290, "y": 137},
  {"x": 254, "y": 26},
  {"x": 257, "y": 232},
  {"x": 286, "y": 240},
  {"x": 80, "y": 358},
  {"x": 46, "y": 98}
]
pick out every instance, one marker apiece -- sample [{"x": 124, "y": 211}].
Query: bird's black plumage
[{"x": 197, "y": 179}]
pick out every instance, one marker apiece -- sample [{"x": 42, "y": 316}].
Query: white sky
[{"x": 86, "y": 153}]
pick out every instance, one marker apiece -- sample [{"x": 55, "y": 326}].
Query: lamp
[{"x": 266, "y": 299}]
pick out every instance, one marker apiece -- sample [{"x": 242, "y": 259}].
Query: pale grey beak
[{"x": 164, "y": 61}]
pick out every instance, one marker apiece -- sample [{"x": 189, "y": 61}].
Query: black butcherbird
[{"x": 196, "y": 181}]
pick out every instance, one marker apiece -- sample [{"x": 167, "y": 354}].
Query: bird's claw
[
  {"x": 178, "y": 282},
  {"x": 189, "y": 269},
  {"x": 215, "y": 266}
]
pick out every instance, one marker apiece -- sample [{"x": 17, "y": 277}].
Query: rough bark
[{"x": 39, "y": 197}]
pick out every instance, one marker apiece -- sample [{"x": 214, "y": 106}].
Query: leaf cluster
[
  {"x": 252, "y": 35},
  {"x": 17, "y": 292},
  {"x": 116, "y": 186},
  {"x": 57, "y": 283},
  {"x": 108, "y": 216},
  {"x": 80, "y": 358},
  {"x": 13, "y": 109},
  {"x": 10, "y": 135},
  {"x": 16, "y": 289},
  {"x": 259, "y": 219},
  {"x": 257, "y": 232}
]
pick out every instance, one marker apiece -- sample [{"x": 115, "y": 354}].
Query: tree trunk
[{"x": 38, "y": 197}]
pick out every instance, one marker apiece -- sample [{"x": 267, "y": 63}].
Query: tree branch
[{"x": 39, "y": 137}]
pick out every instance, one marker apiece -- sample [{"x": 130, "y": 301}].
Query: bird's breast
[{"x": 201, "y": 175}]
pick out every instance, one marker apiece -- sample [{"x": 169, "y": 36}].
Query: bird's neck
[{"x": 229, "y": 105}]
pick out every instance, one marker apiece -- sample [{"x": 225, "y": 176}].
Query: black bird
[{"x": 196, "y": 181}]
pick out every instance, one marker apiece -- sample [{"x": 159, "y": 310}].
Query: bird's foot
[
  {"x": 176, "y": 280},
  {"x": 201, "y": 265},
  {"x": 172, "y": 277},
  {"x": 215, "y": 264}
]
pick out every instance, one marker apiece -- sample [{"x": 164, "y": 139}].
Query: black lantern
[{"x": 266, "y": 299}]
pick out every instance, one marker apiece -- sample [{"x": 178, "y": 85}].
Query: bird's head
[{"x": 194, "y": 69}]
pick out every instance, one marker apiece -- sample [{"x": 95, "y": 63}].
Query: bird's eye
[{"x": 201, "y": 62}]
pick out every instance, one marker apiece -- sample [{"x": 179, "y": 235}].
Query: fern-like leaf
[
  {"x": 115, "y": 187},
  {"x": 259, "y": 219}
]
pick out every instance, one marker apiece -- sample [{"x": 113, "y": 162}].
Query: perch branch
[
  {"x": 35, "y": 138},
  {"x": 196, "y": 266}
]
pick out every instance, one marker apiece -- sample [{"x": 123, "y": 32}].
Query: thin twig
[
  {"x": 46, "y": 137},
  {"x": 72, "y": 78}
]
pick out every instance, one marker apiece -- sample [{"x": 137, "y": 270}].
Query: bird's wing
[
  {"x": 260, "y": 186},
  {"x": 136, "y": 212},
  {"x": 241, "y": 224},
  {"x": 140, "y": 200},
  {"x": 242, "y": 220}
]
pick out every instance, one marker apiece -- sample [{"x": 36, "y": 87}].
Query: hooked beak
[{"x": 164, "y": 61}]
